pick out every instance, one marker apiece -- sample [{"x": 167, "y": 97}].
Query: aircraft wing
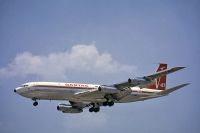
[
  {"x": 99, "y": 94},
  {"x": 92, "y": 95},
  {"x": 146, "y": 79}
]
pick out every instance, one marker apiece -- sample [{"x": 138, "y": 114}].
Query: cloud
[{"x": 81, "y": 58}]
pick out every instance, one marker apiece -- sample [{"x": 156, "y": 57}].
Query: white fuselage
[
  {"x": 66, "y": 91},
  {"x": 52, "y": 90}
]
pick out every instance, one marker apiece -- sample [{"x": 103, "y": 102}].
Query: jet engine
[
  {"x": 108, "y": 89},
  {"x": 139, "y": 80},
  {"x": 68, "y": 109}
]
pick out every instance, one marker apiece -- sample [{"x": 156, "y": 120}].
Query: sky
[{"x": 103, "y": 42}]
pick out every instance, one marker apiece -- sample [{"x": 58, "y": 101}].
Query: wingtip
[
  {"x": 187, "y": 84},
  {"x": 181, "y": 67},
  {"x": 178, "y": 68}
]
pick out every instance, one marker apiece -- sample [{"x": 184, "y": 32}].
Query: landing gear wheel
[
  {"x": 96, "y": 109},
  {"x": 129, "y": 80},
  {"x": 105, "y": 103},
  {"x": 91, "y": 109},
  {"x": 110, "y": 103},
  {"x": 35, "y": 103}
]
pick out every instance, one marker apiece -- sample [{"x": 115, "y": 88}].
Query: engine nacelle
[
  {"x": 68, "y": 109},
  {"x": 108, "y": 89},
  {"x": 139, "y": 80}
]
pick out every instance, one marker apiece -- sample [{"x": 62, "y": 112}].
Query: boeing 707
[{"x": 93, "y": 96}]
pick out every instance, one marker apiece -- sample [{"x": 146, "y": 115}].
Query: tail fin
[{"x": 160, "y": 83}]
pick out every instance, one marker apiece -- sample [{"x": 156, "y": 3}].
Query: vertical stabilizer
[{"x": 160, "y": 83}]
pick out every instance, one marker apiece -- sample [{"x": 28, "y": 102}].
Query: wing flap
[
  {"x": 85, "y": 93},
  {"x": 123, "y": 93},
  {"x": 92, "y": 95}
]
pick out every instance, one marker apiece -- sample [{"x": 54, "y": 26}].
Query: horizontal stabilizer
[
  {"x": 163, "y": 73},
  {"x": 166, "y": 92},
  {"x": 146, "y": 80}
]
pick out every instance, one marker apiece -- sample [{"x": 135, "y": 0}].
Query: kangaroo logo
[
  {"x": 162, "y": 68},
  {"x": 162, "y": 85}
]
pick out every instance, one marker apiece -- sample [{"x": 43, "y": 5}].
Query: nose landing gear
[{"x": 35, "y": 103}]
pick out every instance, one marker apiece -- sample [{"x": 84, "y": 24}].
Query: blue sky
[{"x": 99, "y": 42}]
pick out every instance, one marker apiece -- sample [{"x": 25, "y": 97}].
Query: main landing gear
[
  {"x": 109, "y": 100},
  {"x": 95, "y": 108},
  {"x": 111, "y": 103},
  {"x": 92, "y": 109}
]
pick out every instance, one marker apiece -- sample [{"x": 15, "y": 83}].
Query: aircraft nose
[{"x": 17, "y": 90}]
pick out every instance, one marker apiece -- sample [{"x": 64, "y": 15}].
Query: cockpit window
[{"x": 24, "y": 85}]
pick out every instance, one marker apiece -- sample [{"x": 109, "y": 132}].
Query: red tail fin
[{"x": 160, "y": 83}]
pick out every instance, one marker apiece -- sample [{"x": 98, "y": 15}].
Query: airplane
[{"x": 93, "y": 96}]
